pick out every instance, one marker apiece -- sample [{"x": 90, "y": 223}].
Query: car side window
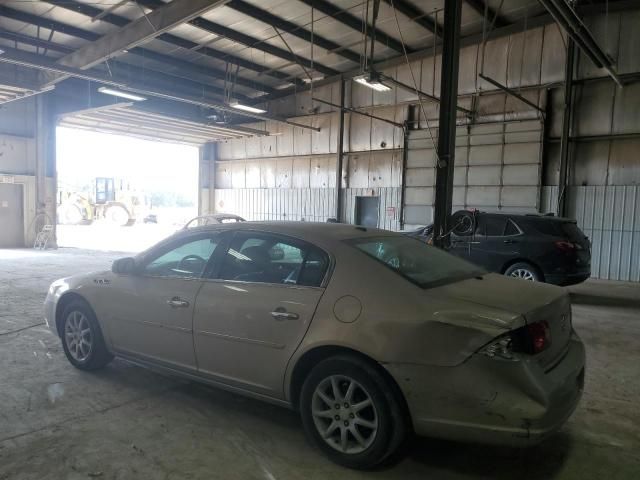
[
  {"x": 186, "y": 260},
  {"x": 511, "y": 229},
  {"x": 495, "y": 226},
  {"x": 254, "y": 257}
]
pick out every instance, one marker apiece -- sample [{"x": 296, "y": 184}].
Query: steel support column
[
  {"x": 567, "y": 120},
  {"x": 340, "y": 149},
  {"x": 447, "y": 121}
]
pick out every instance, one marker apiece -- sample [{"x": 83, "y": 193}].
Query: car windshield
[{"x": 422, "y": 264}]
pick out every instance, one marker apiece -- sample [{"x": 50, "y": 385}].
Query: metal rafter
[
  {"x": 26, "y": 59},
  {"x": 184, "y": 67},
  {"x": 135, "y": 33},
  {"x": 479, "y": 6},
  {"x": 119, "y": 21},
  {"x": 244, "y": 39},
  {"x": 416, "y": 15},
  {"x": 292, "y": 29},
  {"x": 354, "y": 22}
]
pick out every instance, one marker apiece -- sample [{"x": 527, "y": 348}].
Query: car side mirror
[{"x": 124, "y": 266}]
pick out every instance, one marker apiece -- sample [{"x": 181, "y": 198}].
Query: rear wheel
[
  {"x": 351, "y": 413},
  {"x": 523, "y": 271},
  {"x": 82, "y": 338}
]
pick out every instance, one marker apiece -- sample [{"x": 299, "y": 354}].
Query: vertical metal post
[
  {"x": 567, "y": 119},
  {"x": 340, "y": 153},
  {"x": 447, "y": 121}
]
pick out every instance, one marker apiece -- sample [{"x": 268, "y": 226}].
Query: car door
[
  {"x": 150, "y": 313},
  {"x": 252, "y": 315},
  {"x": 496, "y": 241}
]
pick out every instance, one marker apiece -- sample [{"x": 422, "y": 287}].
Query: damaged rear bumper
[{"x": 490, "y": 401}]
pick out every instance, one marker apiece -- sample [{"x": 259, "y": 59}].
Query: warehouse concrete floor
[{"x": 126, "y": 422}]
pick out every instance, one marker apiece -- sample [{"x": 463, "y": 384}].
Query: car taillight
[
  {"x": 565, "y": 246},
  {"x": 532, "y": 339},
  {"x": 538, "y": 337}
]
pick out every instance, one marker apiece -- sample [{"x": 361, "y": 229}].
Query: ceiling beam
[
  {"x": 129, "y": 70},
  {"x": 90, "y": 11},
  {"x": 292, "y": 29},
  {"x": 183, "y": 68},
  {"x": 473, "y": 39},
  {"x": 135, "y": 33},
  {"x": 356, "y": 23},
  {"x": 246, "y": 40},
  {"x": 30, "y": 60},
  {"x": 416, "y": 15},
  {"x": 480, "y": 5}
]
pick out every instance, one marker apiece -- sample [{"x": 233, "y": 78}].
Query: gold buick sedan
[{"x": 369, "y": 334}]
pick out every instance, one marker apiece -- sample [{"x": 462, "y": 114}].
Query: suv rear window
[{"x": 557, "y": 228}]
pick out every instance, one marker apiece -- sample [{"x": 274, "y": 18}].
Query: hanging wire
[
  {"x": 312, "y": 66},
  {"x": 486, "y": 34},
  {"x": 415, "y": 83},
  {"x": 365, "y": 27}
]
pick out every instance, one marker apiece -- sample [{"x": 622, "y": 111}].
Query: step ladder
[{"x": 43, "y": 237}]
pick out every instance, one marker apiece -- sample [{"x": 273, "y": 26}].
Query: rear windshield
[
  {"x": 568, "y": 230},
  {"x": 422, "y": 264}
]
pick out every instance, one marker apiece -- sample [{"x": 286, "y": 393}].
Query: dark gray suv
[{"x": 533, "y": 247}]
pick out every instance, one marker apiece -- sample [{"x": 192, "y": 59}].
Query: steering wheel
[{"x": 192, "y": 258}]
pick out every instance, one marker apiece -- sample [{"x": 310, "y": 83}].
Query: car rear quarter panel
[{"x": 399, "y": 322}]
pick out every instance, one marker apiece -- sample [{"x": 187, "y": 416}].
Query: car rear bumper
[
  {"x": 493, "y": 401},
  {"x": 567, "y": 278}
]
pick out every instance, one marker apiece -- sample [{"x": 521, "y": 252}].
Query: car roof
[
  {"x": 311, "y": 231},
  {"x": 529, "y": 216}
]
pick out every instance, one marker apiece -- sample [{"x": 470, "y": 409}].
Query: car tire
[
  {"x": 524, "y": 271},
  {"x": 82, "y": 338},
  {"x": 367, "y": 409}
]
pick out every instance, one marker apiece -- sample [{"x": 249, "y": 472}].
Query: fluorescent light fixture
[
  {"x": 120, "y": 93},
  {"x": 246, "y": 108},
  {"x": 369, "y": 80}
]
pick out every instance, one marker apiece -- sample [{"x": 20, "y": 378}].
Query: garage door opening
[{"x": 120, "y": 193}]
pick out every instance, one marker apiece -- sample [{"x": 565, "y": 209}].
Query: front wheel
[
  {"x": 523, "y": 271},
  {"x": 350, "y": 411},
  {"x": 82, "y": 339}
]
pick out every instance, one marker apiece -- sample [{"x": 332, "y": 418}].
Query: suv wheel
[
  {"x": 351, "y": 413},
  {"x": 524, "y": 271}
]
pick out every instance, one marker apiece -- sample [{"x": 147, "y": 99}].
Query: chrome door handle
[
  {"x": 177, "y": 302},
  {"x": 282, "y": 314}
]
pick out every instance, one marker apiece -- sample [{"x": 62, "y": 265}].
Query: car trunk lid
[{"x": 535, "y": 302}]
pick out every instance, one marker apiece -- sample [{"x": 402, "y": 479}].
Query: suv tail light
[
  {"x": 531, "y": 339},
  {"x": 565, "y": 246}
]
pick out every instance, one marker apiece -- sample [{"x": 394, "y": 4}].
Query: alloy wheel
[
  {"x": 524, "y": 274},
  {"x": 77, "y": 335},
  {"x": 344, "y": 414}
]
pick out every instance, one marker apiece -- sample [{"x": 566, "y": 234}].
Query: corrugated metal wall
[
  {"x": 498, "y": 168},
  {"x": 610, "y": 216},
  {"x": 306, "y": 204}
]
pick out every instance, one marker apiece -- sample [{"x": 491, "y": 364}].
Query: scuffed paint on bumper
[{"x": 492, "y": 401}]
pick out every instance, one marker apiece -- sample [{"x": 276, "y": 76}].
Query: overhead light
[
  {"x": 246, "y": 108},
  {"x": 120, "y": 93},
  {"x": 217, "y": 118},
  {"x": 372, "y": 81}
]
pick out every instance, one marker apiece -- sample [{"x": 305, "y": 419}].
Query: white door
[{"x": 251, "y": 318}]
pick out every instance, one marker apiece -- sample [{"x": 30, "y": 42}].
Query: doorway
[
  {"x": 367, "y": 211},
  {"x": 11, "y": 216}
]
